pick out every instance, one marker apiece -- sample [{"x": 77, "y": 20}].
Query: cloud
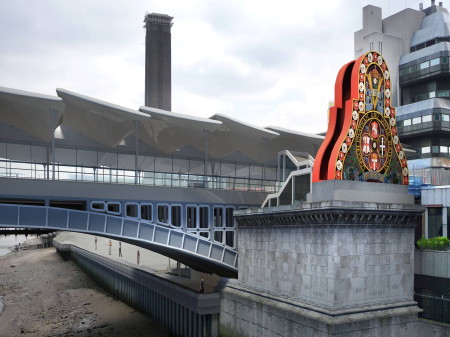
[{"x": 262, "y": 62}]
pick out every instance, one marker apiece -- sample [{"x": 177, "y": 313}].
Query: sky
[{"x": 268, "y": 63}]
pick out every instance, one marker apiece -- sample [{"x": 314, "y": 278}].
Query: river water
[{"x": 11, "y": 241}]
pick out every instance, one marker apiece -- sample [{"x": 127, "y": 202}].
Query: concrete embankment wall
[{"x": 181, "y": 310}]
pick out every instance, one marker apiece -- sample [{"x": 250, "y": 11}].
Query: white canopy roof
[
  {"x": 172, "y": 133},
  {"x": 30, "y": 112},
  {"x": 236, "y": 137},
  {"x": 294, "y": 141},
  {"x": 169, "y": 131},
  {"x": 104, "y": 122}
]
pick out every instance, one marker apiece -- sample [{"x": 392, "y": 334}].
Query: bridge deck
[{"x": 187, "y": 248}]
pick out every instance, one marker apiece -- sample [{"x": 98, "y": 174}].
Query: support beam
[{"x": 136, "y": 156}]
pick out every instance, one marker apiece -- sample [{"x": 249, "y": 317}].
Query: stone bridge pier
[{"x": 341, "y": 264}]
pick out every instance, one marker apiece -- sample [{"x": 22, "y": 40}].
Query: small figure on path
[
  {"x": 109, "y": 244},
  {"x": 138, "y": 257},
  {"x": 202, "y": 286},
  {"x": 95, "y": 243},
  {"x": 120, "y": 249}
]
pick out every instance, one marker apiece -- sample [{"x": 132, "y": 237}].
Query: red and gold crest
[{"x": 362, "y": 142}]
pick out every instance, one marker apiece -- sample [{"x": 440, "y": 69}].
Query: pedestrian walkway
[{"x": 149, "y": 261}]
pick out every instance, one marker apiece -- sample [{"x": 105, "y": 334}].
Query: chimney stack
[
  {"x": 421, "y": 7},
  {"x": 441, "y": 4},
  {"x": 158, "y": 72},
  {"x": 433, "y": 2}
]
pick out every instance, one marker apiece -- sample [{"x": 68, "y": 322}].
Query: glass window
[
  {"x": 407, "y": 122},
  {"x": 426, "y": 118},
  {"x": 229, "y": 238},
  {"x": 444, "y": 59},
  {"x": 417, "y": 120},
  {"x": 436, "y": 117},
  {"x": 442, "y": 93},
  {"x": 448, "y": 221},
  {"x": 434, "y": 62},
  {"x": 147, "y": 212},
  {"x": 434, "y": 221},
  {"x": 98, "y": 206},
  {"x": 424, "y": 65},
  {"x": 426, "y": 149},
  {"x": 176, "y": 215},
  {"x": 432, "y": 94},
  {"x": 132, "y": 210},
  {"x": 204, "y": 234},
  {"x": 163, "y": 214},
  {"x": 191, "y": 217},
  {"x": 204, "y": 217},
  {"x": 218, "y": 216},
  {"x": 435, "y": 149},
  {"x": 113, "y": 208},
  {"x": 446, "y": 118},
  {"x": 229, "y": 220},
  {"x": 444, "y": 149},
  {"x": 218, "y": 236}
]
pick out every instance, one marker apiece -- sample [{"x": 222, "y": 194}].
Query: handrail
[
  {"x": 63, "y": 172},
  {"x": 138, "y": 231}
]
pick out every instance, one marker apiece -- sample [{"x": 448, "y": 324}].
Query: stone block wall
[
  {"x": 332, "y": 268},
  {"x": 338, "y": 266}
]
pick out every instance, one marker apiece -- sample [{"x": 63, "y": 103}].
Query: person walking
[
  {"x": 138, "y": 257},
  {"x": 110, "y": 245},
  {"x": 202, "y": 286},
  {"x": 95, "y": 243},
  {"x": 120, "y": 249}
]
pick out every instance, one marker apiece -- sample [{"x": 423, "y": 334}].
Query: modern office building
[
  {"x": 416, "y": 46},
  {"x": 158, "y": 56}
]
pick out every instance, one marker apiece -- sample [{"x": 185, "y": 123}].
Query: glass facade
[{"x": 434, "y": 221}]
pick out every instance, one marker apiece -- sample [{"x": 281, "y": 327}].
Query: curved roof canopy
[
  {"x": 294, "y": 140},
  {"x": 236, "y": 139},
  {"x": 104, "y": 122},
  {"x": 169, "y": 131},
  {"x": 31, "y": 112}
]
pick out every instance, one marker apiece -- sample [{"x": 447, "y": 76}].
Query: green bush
[{"x": 436, "y": 243}]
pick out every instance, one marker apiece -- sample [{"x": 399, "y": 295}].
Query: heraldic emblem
[{"x": 362, "y": 142}]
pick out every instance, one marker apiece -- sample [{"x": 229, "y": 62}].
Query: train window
[
  {"x": 218, "y": 216},
  {"x": 218, "y": 236},
  {"x": 113, "y": 207},
  {"x": 147, "y": 212},
  {"x": 98, "y": 206},
  {"x": 229, "y": 238},
  {"x": 191, "y": 216},
  {"x": 132, "y": 210},
  {"x": 204, "y": 234},
  {"x": 163, "y": 214},
  {"x": 204, "y": 217},
  {"x": 176, "y": 215},
  {"x": 229, "y": 220}
]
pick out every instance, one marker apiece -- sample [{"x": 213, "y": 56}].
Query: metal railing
[
  {"x": 138, "y": 231},
  {"x": 62, "y": 172}
]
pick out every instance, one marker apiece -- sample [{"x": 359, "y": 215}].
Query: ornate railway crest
[{"x": 362, "y": 142}]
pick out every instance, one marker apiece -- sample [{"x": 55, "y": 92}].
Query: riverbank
[{"x": 43, "y": 295}]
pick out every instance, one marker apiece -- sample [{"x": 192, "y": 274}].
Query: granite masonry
[{"x": 327, "y": 267}]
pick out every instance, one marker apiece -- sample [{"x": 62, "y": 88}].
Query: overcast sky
[{"x": 270, "y": 63}]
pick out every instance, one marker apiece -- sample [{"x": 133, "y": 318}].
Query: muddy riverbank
[{"x": 43, "y": 295}]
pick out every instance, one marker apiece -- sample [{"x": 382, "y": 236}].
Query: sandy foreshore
[{"x": 43, "y": 295}]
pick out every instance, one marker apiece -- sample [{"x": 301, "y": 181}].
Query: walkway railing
[
  {"x": 170, "y": 242},
  {"x": 62, "y": 172}
]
